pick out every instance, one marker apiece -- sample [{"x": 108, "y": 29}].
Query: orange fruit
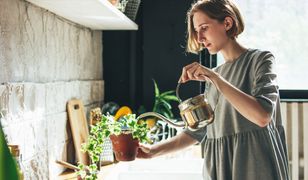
[
  {"x": 151, "y": 122},
  {"x": 124, "y": 110}
]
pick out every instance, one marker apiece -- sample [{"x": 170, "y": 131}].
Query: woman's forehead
[{"x": 200, "y": 18}]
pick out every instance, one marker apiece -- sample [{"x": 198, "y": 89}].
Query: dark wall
[
  {"x": 164, "y": 45},
  {"x": 156, "y": 51}
]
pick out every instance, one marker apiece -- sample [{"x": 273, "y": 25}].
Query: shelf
[{"x": 95, "y": 14}]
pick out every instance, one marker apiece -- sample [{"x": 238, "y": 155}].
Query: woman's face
[{"x": 211, "y": 33}]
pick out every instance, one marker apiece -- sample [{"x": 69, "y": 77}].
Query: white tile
[
  {"x": 34, "y": 96},
  {"x": 37, "y": 167},
  {"x": 61, "y": 151},
  {"x": 57, "y": 129}
]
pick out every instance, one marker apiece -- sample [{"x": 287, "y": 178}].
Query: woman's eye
[
  {"x": 201, "y": 29},
  {"x": 204, "y": 28}
]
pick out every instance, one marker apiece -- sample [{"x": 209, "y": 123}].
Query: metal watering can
[{"x": 196, "y": 112}]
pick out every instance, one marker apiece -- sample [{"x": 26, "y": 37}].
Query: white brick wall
[{"x": 45, "y": 61}]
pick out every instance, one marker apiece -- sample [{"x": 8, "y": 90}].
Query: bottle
[{"x": 14, "y": 149}]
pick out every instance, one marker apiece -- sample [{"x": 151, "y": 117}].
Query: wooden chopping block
[
  {"x": 79, "y": 128},
  {"x": 67, "y": 165}
]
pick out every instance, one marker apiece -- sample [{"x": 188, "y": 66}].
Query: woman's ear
[{"x": 228, "y": 22}]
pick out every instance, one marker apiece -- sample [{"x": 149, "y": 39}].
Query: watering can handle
[
  {"x": 178, "y": 88},
  {"x": 177, "y": 92}
]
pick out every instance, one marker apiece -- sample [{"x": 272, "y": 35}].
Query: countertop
[{"x": 71, "y": 175}]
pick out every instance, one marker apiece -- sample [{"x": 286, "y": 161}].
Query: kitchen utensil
[
  {"x": 67, "y": 165},
  {"x": 79, "y": 128}
]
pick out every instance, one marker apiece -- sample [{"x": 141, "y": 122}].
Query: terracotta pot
[{"x": 124, "y": 146}]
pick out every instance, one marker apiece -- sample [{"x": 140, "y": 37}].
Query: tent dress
[{"x": 234, "y": 147}]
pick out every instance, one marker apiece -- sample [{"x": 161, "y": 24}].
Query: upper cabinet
[{"x": 95, "y": 14}]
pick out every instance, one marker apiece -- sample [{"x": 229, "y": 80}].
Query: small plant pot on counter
[
  {"x": 125, "y": 134},
  {"x": 124, "y": 146}
]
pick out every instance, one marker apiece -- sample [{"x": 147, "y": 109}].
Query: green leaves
[
  {"x": 162, "y": 101},
  {"x": 8, "y": 168},
  {"x": 102, "y": 130},
  {"x": 138, "y": 129},
  {"x": 171, "y": 98},
  {"x": 156, "y": 90}
]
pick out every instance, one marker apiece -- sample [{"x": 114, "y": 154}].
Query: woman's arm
[
  {"x": 173, "y": 144},
  {"x": 246, "y": 104}
]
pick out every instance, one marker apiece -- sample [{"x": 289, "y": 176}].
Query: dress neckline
[{"x": 235, "y": 60}]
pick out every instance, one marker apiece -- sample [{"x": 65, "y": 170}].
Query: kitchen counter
[
  {"x": 172, "y": 169},
  {"x": 178, "y": 165},
  {"x": 71, "y": 175},
  {"x": 157, "y": 168}
]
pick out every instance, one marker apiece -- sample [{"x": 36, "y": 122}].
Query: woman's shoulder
[
  {"x": 260, "y": 59},
  {"x": 254, "y": 57},
  {"x": 259, "y": 54}
]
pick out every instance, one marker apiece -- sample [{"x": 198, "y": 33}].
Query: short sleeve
[
  {"x": 199, "y": 134},
  {"x": 265, "y": 88}
]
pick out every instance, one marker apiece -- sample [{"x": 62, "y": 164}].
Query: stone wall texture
[{"x": 45, "y": 61}]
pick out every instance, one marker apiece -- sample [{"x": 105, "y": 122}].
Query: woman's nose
[{"x": 201, "y": 38}]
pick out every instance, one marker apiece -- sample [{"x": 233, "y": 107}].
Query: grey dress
[{"x": 235, "y": 148}]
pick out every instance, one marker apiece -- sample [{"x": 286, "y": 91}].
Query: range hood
[{"x": 94, "y": 14}]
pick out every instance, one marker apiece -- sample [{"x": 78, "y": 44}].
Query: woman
[{"x": 246, "y": 141}]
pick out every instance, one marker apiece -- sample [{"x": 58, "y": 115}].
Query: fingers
[
  {"x": 145, "y": 148},
  {"x": 198, "y": 72},
  {"x": 194, "y": 71},
  {"x": 191, "y": 72},
  {"x": 144, "y": 152},
  {"x": 141, "y": 154},
  {"x": 187, "y": 72}
]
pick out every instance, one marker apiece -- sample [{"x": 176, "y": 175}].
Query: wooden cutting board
[{"x": 79, "y": 128}]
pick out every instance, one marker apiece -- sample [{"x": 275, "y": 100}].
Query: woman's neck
[{"x": 232, "y": 50}]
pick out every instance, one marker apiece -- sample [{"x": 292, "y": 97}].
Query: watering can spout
[
  {"x": 195, "y": 112},
  {"x": 147, "y": 114}
]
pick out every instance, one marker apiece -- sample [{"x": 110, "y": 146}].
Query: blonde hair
[{"x": 215, "y": 9}]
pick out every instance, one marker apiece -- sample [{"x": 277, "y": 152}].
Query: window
[{"x": 281, "y": 27}]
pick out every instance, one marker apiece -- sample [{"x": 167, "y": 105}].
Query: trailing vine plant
[{"x": 102, "y": 130}]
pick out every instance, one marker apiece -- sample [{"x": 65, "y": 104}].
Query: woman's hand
[
  {"x": 176, "y": 143},
  {"x": 197, "y": 72},
  {"x": 144, "y": 152}
]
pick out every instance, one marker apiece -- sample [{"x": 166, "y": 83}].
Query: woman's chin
[{"x": 212, "y": 51}]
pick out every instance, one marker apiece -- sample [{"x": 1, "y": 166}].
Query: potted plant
[
  {"x": 125, "y": 134},
  {"x": 162, "y": 105},
  {"x": 162, "y": 101}
]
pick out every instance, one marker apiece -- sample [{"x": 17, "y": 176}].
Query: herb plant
[{"x": 102, "y": 130}]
